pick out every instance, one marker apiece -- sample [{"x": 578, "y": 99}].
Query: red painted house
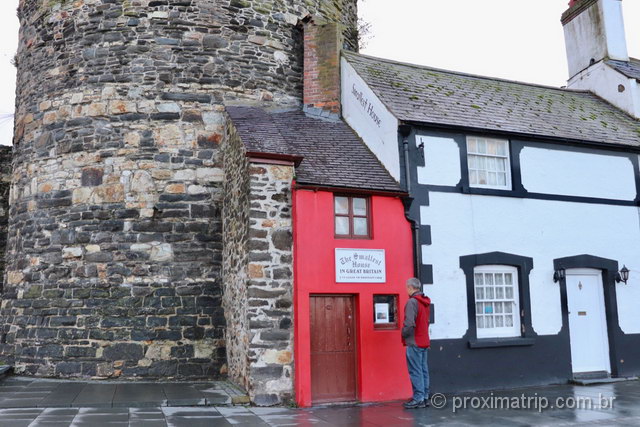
[
  {"x": 343, "y": 350},
  {"x": 352, "y": 254}
]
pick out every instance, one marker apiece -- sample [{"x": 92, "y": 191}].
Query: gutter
[{"x": 405, "y": 131}]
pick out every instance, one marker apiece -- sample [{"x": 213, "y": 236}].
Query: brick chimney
[
  {"x": 322, "y": 44},
  {"x": 593, "y": 31}
]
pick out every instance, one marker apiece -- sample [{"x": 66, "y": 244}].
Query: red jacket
[{"x": 415, "y": 330}]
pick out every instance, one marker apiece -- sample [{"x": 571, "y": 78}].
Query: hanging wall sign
[{"x": 360, "y": 266}]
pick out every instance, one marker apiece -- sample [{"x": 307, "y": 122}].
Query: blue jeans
[{"x": 418, "y": 372}]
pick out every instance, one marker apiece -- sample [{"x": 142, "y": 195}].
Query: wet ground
[{"x": 599, "y": 405}]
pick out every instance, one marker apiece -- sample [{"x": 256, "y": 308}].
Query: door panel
[
  {"x": 587, "y": 321},
  {"x": 333, "y": 357}
]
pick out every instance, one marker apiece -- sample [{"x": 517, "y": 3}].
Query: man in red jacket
[{"x": 415, "y": 336}]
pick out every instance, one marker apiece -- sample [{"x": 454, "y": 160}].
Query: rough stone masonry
[{"x": 115, "y": 242}]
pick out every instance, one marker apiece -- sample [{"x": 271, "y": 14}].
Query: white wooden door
[{"x": 587, "y": 321}]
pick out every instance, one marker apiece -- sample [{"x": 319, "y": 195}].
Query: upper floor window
[
  {"x": 497, "y": 301},
  {"x": 488, "y": 161},
  {"x": 352, "y": 217}
]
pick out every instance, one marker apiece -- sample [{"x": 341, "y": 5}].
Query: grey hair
[{"x": 414, "y": 283}]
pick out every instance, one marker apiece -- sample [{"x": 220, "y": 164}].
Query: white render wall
[
  {"x": 463, "y": 224},
  {"x": 596, "y": 33},
  {"x": 370, "y": 118},
  {"x": 605, "y": 82},
  {"x": 577, "y": 174},
  {"x": 442, "y": 161},
  {"x": 543, "y": 230}
]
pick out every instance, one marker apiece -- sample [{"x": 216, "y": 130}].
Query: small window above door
[{"x": 352, "y": 218}]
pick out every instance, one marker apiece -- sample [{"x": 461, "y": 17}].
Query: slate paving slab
[
  {"x": 62, "y": 395},
  {"x": 183, "y": 395},
  {"x": 95, "y": 395},
  {"x": 139, "y": 395}
]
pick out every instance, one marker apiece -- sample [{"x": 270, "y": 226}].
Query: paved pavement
[
  {"x": 17, "y": 392},
  {"x": 600, "y": 405}
]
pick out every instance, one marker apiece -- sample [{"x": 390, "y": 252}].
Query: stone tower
[{"x": 114, "y": 248}]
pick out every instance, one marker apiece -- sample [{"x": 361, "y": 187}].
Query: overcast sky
[{"x": 502, "y": 38}]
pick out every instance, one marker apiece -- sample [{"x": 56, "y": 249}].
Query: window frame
[
  {"x": 389, "y": 325},
  {"x": 350, "y": 215},
  {"x": 509, "y": 178},
  {"x": 524, "y": 265},
  {"x": 505, "y": 331}
]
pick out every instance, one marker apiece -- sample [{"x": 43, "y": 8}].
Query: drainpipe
[{"x": 405, "y": 131}]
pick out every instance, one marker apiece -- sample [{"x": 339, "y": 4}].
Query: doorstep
[
  {"x": 602, "y": 380},
  {"x": 27, "y": 392}
]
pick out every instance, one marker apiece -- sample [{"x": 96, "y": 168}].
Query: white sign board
[
  {"x": 360, "y": 266},
  {"x": 382, "y": 313}
]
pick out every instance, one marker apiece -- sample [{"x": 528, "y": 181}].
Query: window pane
[
  {"x": 342, "y": 205},
  {"x": 478, "y": 308},
  {"x": 480, "y": 321},
  {"x": 482, "y": 145},
  {"x": 498, "y": 306},
  {"x": 471, "y": 145},
  {"x": 488, "y": 309},
  {"x": 508, "y": 278},
  {"x": 499, "y": 321},
  {"x": 500, "y": 293},
  {"x": 488, "y": 279},
  {"x": 342, "y": 225},
  {"x": 493, "y": 180},
  {"x": 473, "y": 177},
  {"x": 488, "y": 322},
  {"x": 508, "y": 321},
  {"x": 482, "y": 163},
  {"x": 502, "y": 148},
  {"x": 502, "y": 165},
  {"x": 478, "y": 279},
  {"x": 508, "y": 307},
  {"x": 360, "y": 227},
  {"x": 508, "y": 292},
  {"x": 473, "y": 162},
  {"x": 489, "y": 293},
  {"x": 480, "y": 293},
  {"x": 482, "y": 178},
  {"x": 502, "y": 179},
  {"x": 360, "y": 207},
  {"x": 491, "y": 147},
  {"x": 499, "y": 280}
]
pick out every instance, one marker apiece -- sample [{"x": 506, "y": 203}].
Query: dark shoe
[{"x": 413, "y": 404}]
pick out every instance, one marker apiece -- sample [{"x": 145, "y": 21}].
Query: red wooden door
[{"x": 333, "y": 353}]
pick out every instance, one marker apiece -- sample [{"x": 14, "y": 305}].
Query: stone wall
[
  {"x": 115, "y": 230},
  {"x": 235, "y": 226},
  {"x": 5, "y": 185},
  {"x": 270, "y": 286},
  {"x": 258, "y": 273}
]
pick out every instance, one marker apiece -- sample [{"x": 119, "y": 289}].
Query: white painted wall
[
  {"x": 543, "y": 230},
  {"x": 597, "y": 33},
  {"x": 441, "y": 159},
  {"x": 370, "y": 118},
  {"x": 577, "y": 174},
  {"x": 604, "y": 81}
]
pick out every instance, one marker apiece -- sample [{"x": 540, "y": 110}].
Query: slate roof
[
  {"x": 333, "y": 155},
  {"x": 630, "y": 69},
  {"x": 421, "y": 94}
]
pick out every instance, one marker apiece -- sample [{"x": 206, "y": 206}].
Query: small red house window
[{"x": 352, "y": 217}]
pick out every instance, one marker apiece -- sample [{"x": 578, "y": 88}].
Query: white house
[{"x": 525, "y": 202}]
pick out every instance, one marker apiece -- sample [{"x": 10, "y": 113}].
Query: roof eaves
[{"x": 459, "y": 73}]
